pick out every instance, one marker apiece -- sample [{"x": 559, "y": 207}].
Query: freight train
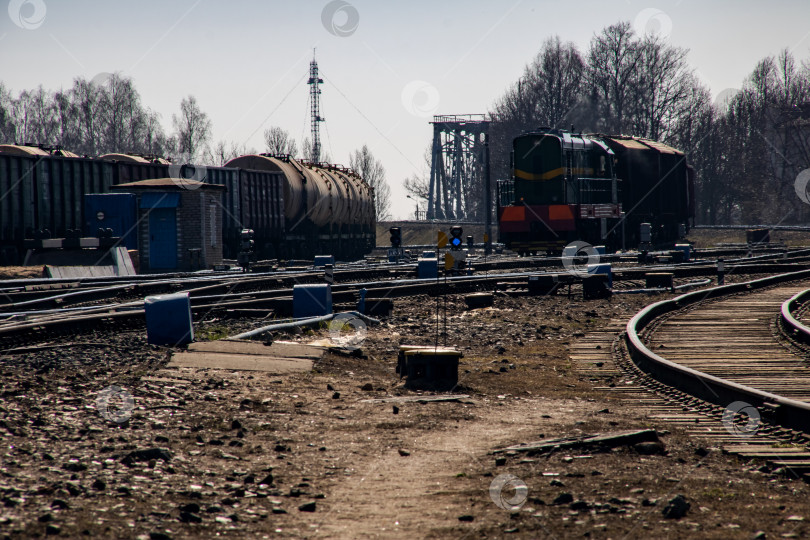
[
  {"x": 296, "y": 209},
  {"x": 597, "y": 189}
]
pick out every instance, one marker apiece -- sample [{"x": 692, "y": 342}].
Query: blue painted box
[
  {"x": 323, "y": 260},
  {"x": 168, "y": 319},
  {"x": 602, "y": 268},
  {"x": 428, "y": 268},
  {"x": 686, "y": 248},
  {"x": 312, "y": 300}
]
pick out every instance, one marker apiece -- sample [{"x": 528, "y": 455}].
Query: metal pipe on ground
[{"x": 292, "y": 323}]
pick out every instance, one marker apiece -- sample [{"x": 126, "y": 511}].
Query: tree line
[
  {"x": 747, "y": 149},
  {"x": 106, "y": 115}
]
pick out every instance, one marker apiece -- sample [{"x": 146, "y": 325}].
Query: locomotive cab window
[{"x": 536, "y": 156}]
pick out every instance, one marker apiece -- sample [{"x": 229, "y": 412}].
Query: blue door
[{"x": 162, "y": 238}]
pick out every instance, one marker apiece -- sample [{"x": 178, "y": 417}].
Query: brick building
[{"x": 179, "y": 224}]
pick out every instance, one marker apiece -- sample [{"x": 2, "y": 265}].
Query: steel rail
[
  {"x": 798, "y": 330},
  {"x": 787, "y": 412}
]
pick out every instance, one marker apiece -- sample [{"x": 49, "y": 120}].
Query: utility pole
[{"x": 487, "y": 197}]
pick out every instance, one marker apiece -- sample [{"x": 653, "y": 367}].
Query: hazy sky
[{"x": 388, "y": 66}]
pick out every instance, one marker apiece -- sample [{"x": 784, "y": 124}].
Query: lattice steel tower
[
  {"x": 314, "y": 97},
  {"x": 457, "y": 168}
]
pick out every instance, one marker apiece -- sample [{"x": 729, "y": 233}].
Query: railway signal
[
  {"x": 247, "y": 248},
  {"x": 396, "y": 236},
  {"x": 456, "y": 241}
]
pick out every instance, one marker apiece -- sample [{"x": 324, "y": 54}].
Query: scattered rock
[
  {"x": 404, "y": 453},
  {"x": 676, "y": 508},
  {"x": 268, "y": 479},
  {"x": 308, "y": 507},
  {"x": 650, "y": 448},
  {"x": 336, "y": 395},
  {"x": 146, "y": 455},
  {"x": 368, "y": 387},
  {"x": 396, "y": 409},
  {"x": 563, "y": 498},
  {"x": 190, "y": 517},
  {"x": 500, "y": 461},
  {"x": 580, "y": 505},
  {"x": 74, "y": 467},
  {"x": 466, "y": 517}
]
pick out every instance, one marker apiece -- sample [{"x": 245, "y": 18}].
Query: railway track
[
  {"x": 97, "y": 308},
  {"x": 728, "y": 364},
  {"x": 29, "y": 290},
  {"x": 19, "y": 297}
]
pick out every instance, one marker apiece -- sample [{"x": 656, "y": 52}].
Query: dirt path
[{"x": 394, "y": 496}]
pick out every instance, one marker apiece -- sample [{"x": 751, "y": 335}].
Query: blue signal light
[{"x": 456, "y": 242}]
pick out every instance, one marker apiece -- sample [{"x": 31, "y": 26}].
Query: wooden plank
[
  {"x": 240, "y": 362},
  {"x": 418, "y": 399},
  {"x": 276, "y": 349},
  {"x": 619, "y": 438}
]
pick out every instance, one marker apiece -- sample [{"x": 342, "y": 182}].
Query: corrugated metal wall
[{"x": 47, "y": 193}]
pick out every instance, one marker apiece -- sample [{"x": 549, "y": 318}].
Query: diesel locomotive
[{"x": 597, "y": 188}]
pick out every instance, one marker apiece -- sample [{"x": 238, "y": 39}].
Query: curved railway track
[{"x": 731, "y": 364}]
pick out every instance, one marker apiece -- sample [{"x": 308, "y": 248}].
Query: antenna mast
[{"x": 314, "y": 97}]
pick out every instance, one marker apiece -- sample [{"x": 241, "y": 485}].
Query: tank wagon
[
  {"x": 42, "y": 190},
  {"x": 327, "y": 208},
  {"x": 594, "y": 188}
]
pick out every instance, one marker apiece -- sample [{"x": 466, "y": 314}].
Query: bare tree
[
  {"x": 154, "y": 140},
  {"x": 613, "y": 57},
  {"x": 85, "y": 97},
  {"x": 7, "y": 129},
  {"x": 120, "y": 111},
  {"x": 555, "y": 79},
  {"x": 418, "y": 184},
  {"x": 660, "y": 86},
  {"x": 279, "y": 142},
  {"x": 193, "y": 128},
  {"x": 371, "y": 170},
  {"x": 548, "y": 94},
  {"x": 35, "y": 117},
  {"x": 223, "y": 152},
  {"x": 417, "y": 187},
  {"x": 308, "y": 152}
]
